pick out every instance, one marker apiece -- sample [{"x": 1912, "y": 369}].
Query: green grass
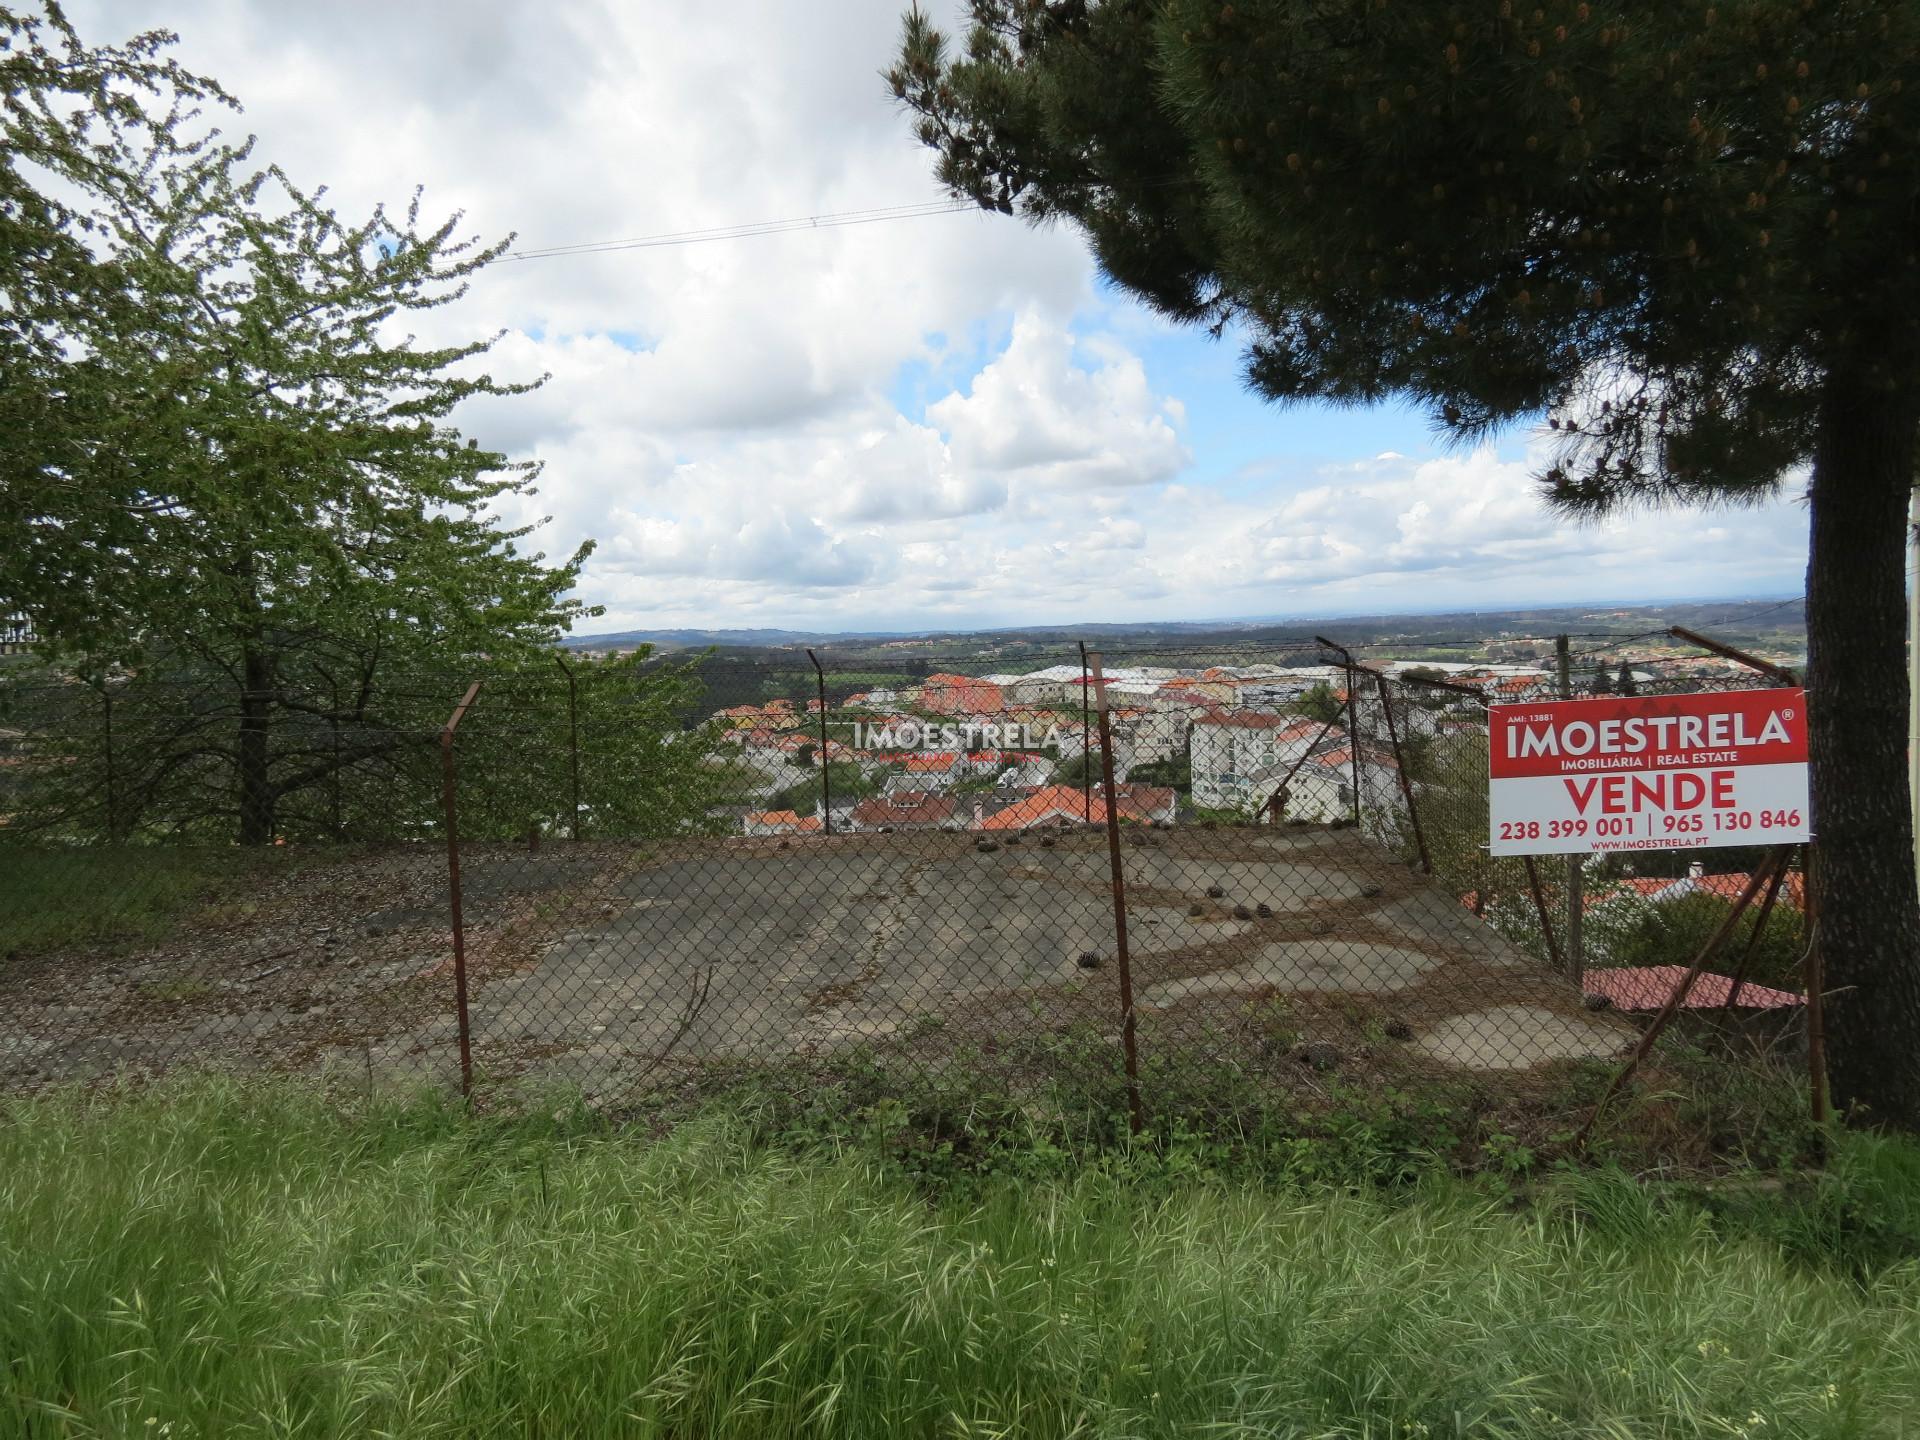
[
  {"x": 55, "y": 897},
  {"x": 214, "y": 1259}
]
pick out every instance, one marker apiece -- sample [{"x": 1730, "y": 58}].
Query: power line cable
[{"x": 832, "y": 220}]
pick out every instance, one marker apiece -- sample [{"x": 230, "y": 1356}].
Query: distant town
[
  {"x": 1011, "y": 750},
  {"x": 1772, "y": 629}
]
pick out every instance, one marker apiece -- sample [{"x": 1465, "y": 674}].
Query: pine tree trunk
[
  {"x": 1869, "y": 920},
  {"x": 255, "y": 779}
]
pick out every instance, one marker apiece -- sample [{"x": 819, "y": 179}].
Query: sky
[{"x": 940, "y": 422}]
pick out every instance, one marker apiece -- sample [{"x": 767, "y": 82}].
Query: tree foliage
[
  {"x": 231, "y": 473},
  {"x": 803, "y": 797},
  {"x": 1665, "y": 223},
  {"x": 1081, "y": 769},
  {"x": 140, "y": 754},
  {"x": 1318, "y": 702},
  {"x": 71, "y": 116},
  {"x": 1175, "y": 773},
  {"x": 1630, "y": 931}
]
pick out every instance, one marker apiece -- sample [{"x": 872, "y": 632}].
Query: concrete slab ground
[
  {"x": 597, "y": 962},
  {"x": 1519, "y": 1037},
  {"x": 1326, "y": 966}
]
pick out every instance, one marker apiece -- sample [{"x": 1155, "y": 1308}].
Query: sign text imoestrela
[{"x": 1653, "y": 772}]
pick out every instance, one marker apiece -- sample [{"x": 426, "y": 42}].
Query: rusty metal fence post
[
  {"x": 1776, "y": 859},
  {"x": 826, "y": 769},
  {"x": 1128, "y": 1037},
  {"x": 1353, "y": 718},
  {"x": 573, "y": 741},
  {"x": 106, "y": 736},
  {"x": 1086, "y": 758},
  {"x": 1779, "y": 674},
  {"x": 1814, "y": 974},
  {"x": 1276, "y": 806},
  {"x": 450, "y": 803},
  {"x": 1400, "y": 766},
  {"x": 1540, "y": 909},
  {"x": 1753, "y": 939}
]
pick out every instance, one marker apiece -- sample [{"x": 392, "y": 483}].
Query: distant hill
[
  {"x": 1776, "y": 623},
  {"x": 692, "y": 639}
]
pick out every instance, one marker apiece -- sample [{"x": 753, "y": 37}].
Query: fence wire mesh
[{"x": 668, "y": 866}]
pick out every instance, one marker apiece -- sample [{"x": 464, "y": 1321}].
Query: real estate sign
[{"x": 1651, "y": 772}]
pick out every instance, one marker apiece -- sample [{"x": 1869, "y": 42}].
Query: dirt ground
[{"x": 601, "y": 963}]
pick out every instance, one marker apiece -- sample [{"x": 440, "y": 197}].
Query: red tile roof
[
  {"x": 937, "y": 763},
  {"x": 1252, "y": 720},
  {"x": 961, "y": 694},
  {"x": 907, "y": 807},
  {"x": 785, "y": 820},
  {"x": 1195, "y": 699},
  {"x": 1055, "y": 802},
  {"x": 1648, "y": 987},
  {"x": 1336, "y": 759}
]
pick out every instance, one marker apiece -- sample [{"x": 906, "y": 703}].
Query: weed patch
[{"x": 52, "y": 898}]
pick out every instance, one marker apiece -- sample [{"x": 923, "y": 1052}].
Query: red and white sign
[{"x": 1649, "y": 772}]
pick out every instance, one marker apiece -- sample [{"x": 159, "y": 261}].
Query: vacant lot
[
  {"x": 220, "y": 1261},
  {"x": 600, "y": 963}
]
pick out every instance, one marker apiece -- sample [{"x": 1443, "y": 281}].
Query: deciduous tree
[{"x": 235, "y": 467}]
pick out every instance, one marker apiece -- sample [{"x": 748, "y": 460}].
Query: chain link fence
[{"x": 1131, "y": 871}]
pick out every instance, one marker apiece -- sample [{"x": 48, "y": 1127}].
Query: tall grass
[{"x": 224, "y": 1260}]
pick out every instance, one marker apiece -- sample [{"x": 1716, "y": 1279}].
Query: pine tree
[
  {"x": 1625, "y": 686},
  {"x": 1602, "y": 679},
  {"x": 1684, "y": 232}
]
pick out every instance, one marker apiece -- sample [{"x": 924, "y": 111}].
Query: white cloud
[
  {"x": 1454, "y": 529},
  {"x": 730, "y": 419},
  {"x": 1034, "y": 412}
]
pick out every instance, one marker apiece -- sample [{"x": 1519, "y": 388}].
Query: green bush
[{"x": 1631, "y": 932}]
